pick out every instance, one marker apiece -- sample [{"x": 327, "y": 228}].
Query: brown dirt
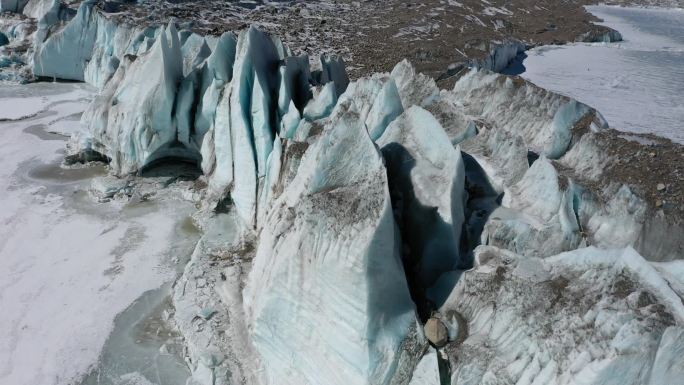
[
  {"x": 645, "y": 166},
  {"x": 373, "y": 36}
]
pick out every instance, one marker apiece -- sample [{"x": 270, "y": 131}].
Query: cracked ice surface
[
  {"x": 588, "y": 316},
  {"x": 325, "y": 265},
  {"x": 69, "y": 266}
]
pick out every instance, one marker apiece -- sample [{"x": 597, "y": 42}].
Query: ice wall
[
  {"x": 500, "y": 55},
  {"x": 16, "y": 6},
  {"x": 246, "y": 91},
  {"x": 132, "y": 122},
  {"x": 327, "y": 260},
  {"x": 427, "y": 178},
  {"x": 37, "y": 8},
  {"x": 537, "y": 216},
  {"x": 545, "y": 120},
  {"x": 66, "y": 54},
  {"x": 86, "y": 46}
]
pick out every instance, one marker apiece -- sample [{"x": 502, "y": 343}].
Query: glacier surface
[{"x": 338, "y": 215}]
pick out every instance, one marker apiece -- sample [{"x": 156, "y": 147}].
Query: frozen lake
[
  {"x": 638, "y": 84},
  {"x": 85, "y": 284}
]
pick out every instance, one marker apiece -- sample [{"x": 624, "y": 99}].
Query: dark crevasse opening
[
  {"x": 444, "y": 369},
  {"x": 516, "y": 66},
  {"x": 430, "y": 249},
  {"x": 531, "y": 157},
  {"x": 177, "y": 169},
  {"x": 86, "y": 156},
  {"x": 482, "y": 200},
  {"x": 175, "y": 161}
]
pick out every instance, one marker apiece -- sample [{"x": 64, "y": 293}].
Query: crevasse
[{"x": 355, "y": 207}]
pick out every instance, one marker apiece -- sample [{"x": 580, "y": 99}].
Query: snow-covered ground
[
  {"x": 70, "y": 265},
  {"x": 637, "y": 84}
]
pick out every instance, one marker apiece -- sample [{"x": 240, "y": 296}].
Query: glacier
[
  {"x": 339, "y": 215},
  {"x": 326, "y": 259},
  {"x": 589, "y": 316}
]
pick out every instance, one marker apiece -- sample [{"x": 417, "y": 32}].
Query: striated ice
[
  {"x": 293, "y": 94},
  {"x": 537, "y": 215},
  {"x": 271, "y": 179},
  {"x": 216, "y": 73},
  {"x": 16, "y": 6},
  {"x": 37, "y": 8},
  {"x": 545, "y": 120},
  {"x": 667, "y": 366},
  {"x": 111, "y": 44},
  {"x": 326, "y": 262},
  {"x": 375, "y": 99},
  {"x": 138, "y": 112},
  {"x": 427, "y": 177},
  {"x": 333, "y": 70},
  {"x": 386, "y": 107},
  {"x": 251, "y": 91},
  {"x": 414, "y": 89},
  {"x": 542, "y": 324},
  {"x": 195, "y": 51},
  {"x": 217, "y": 149},
  {"x": 322, "y": 103},
  {"x": 66, "y": 54}
]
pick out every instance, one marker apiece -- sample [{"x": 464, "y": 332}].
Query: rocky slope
[{"x": 438, "y": 36}]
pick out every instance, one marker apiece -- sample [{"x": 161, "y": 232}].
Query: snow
[
  {"x": 60, "y": 297},
  {"x": 20, "y": 107},
  {"x": 636, "y": 83},
  {"x": 218, "y": 349}
]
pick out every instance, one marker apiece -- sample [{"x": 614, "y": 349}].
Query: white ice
[
  {"x": 68, "y": 265},
  {"x": 326, "y": 262},
  {"x": 636, "y": 84}
]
